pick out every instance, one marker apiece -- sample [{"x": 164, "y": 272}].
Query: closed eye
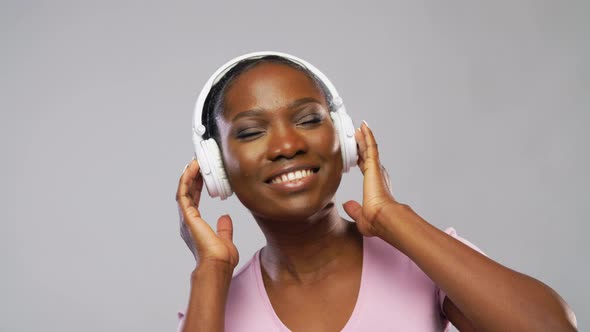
[
  {"x": 248, "y": 134},
  {"x": 311, "y": 119}
]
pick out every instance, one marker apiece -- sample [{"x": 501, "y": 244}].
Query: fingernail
[
  {"x": 187, "y": 165},
  {"x": 366, "y": 124}
]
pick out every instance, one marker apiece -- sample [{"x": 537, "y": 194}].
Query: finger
[
  {"x": 362, "y": 144},
  {"x": 370, "y": 143},
  {"x": 353, "y": 209},
  {"x": 186, "y": 179},
  {"x": 385, "y": 176},
  {"x": 189, "y": 188},
  {"x": 361, "y": 164},
  {"x": 361, "y": 149},
  {"x": 195, "y": 189},
  {"x": 194, "y": 229},
  {"x": 201, "y": 233},
  {"x": 184, "y": 169},
  {"x": 185, "y": 233},
  {"x": 225, "y": 228},
  {"x": 196, "y": 185}
]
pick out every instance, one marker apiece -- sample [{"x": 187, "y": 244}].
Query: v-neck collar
[{"x": 358, "y": 306}]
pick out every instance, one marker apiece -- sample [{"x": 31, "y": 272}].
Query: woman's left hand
[{"x": 376, "y": 185}]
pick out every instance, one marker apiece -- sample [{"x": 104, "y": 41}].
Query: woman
[{"x": 389, "y": 270}]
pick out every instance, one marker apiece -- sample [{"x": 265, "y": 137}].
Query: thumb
[
  {"x": 353, "y": 209},
  {"x": 225, "y": 228}
]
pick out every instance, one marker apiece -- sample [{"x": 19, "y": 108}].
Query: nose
[{"x": 286, "y": 141}]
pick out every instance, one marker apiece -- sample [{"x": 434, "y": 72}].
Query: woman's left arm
[{"x": 489, "y": 295}]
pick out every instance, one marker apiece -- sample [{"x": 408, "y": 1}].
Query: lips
[
  {"x": 299, "y": 174},
  {"x": 291, "y": 174}
]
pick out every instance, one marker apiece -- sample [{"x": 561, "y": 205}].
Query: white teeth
[{"x": 292, "y": 176}]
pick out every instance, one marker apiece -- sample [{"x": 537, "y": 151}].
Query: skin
[{"x": 312, "y": 259}]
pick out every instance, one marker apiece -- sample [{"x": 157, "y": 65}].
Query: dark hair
[{"x": 213, "y": 105}]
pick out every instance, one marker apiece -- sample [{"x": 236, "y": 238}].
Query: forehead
[{"x": 269, "y": 86}]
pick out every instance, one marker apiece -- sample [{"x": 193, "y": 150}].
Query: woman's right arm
[
  {"x": 215, "y": 254},
  {"x": 206, "y": 307}
]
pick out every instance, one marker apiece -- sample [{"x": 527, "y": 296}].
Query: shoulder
[
  {"x": 393, "y": 281},
  {"x": 386, "y": 263}
]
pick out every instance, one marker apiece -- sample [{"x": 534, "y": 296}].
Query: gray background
[{"x": 480, "y": 109}]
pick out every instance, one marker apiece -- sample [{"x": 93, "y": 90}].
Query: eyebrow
[{"x": 260, "y": 111}]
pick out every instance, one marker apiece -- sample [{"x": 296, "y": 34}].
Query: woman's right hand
[{"x": 205, "y": 244}]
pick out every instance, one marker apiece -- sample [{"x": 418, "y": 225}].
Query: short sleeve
[
  {"x": 180, "y": 321},
  {"x": 452, "y": 232}
]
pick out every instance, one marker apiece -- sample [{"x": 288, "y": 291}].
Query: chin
[
  {"x": 294, "y": 209},
  {"x": 298, "y": 213}
]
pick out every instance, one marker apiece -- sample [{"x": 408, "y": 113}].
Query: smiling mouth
[{"x": 293, "y": 176}]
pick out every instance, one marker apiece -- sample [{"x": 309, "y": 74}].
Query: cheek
[
  {"x": 239, "y": 165},
  {"x": 241, "y": 169},
  {"x": 327, "y": 140},
  {"x": 230, "y": 161}
]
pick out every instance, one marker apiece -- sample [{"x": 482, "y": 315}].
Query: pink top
[{"x": 394, "y": 295}]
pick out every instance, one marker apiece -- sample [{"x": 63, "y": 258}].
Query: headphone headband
[{"x": 199, "y": 129}]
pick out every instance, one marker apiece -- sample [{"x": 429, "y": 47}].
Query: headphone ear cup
[
  {"x": 345, "y": 130},
  {"x": 217, "y": 169},
  {"x": 214, "y": 176}
]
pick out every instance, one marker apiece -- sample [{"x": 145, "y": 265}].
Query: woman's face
[{"x": 278, "y": 142}]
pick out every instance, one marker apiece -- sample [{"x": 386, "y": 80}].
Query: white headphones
[{"x": 207, "y": 151}]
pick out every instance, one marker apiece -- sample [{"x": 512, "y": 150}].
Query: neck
[{"x": 306, "y": 250}]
